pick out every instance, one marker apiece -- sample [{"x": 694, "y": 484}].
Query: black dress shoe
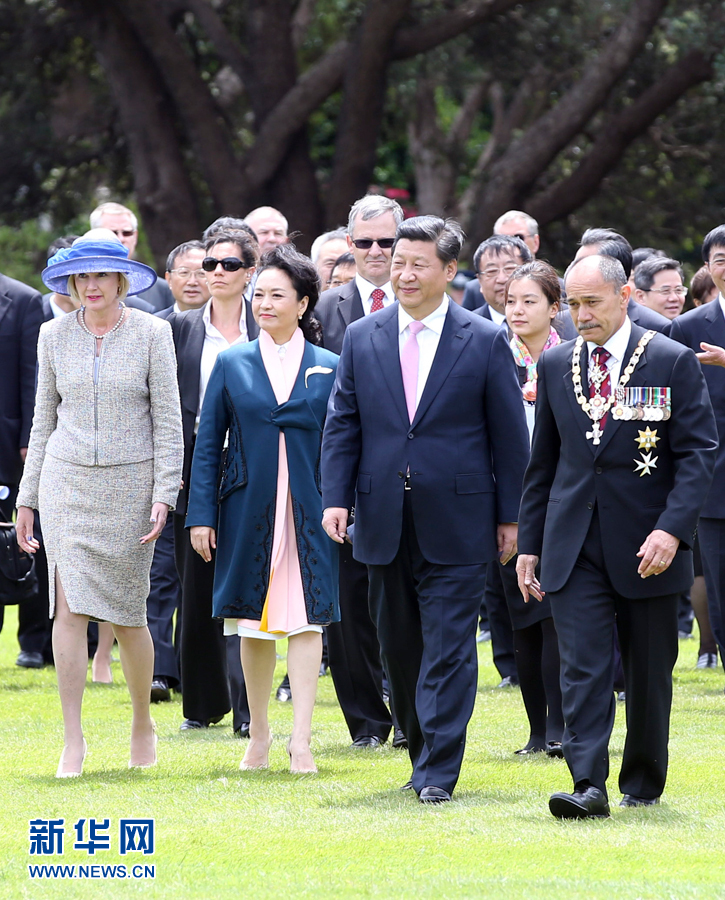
[
  {"x": 589, "y": 803},
  {"x": 554, "y": 750},
  {"x": 431, "y": 794},
  {"x": 631, "y": 800},
  {"x": 323, "y": 669},
  {"x": 408, "y": 786},
  {"x": 160, "y": 690},
  {"x": 508, "y": 681},
  {"x": 30, "y": 660},
  {"x": 192, "y": 724},
  {"x": 529, "y": 749},
  {"x": 400, "y": 741},
  {"x": 369, "y": 742},
  {"x": 243, "y": 731}
]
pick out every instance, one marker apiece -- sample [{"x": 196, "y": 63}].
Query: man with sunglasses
[
  {"x": 123, "y": 223},
  {"x": 211, "y": 672},
  {"x": 353, "y": 648}
]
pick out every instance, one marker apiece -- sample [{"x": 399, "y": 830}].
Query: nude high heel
[
  {"x": 150, "y": 765},
  {"x": 61, "y": 774}
]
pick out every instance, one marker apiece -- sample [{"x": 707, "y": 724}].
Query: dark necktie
[
  {"x": 600, "y": 384},
  {"x": 377, "y": 297}
]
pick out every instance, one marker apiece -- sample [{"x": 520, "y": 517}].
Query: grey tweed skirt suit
[{"x": 105, "y": 445}]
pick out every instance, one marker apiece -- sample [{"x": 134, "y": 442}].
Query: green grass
[{"x": 349, "y": 832}]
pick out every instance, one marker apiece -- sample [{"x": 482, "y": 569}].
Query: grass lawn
[{"x": 349, "y": 832}]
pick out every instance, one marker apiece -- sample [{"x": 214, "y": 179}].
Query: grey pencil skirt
[{"x": 92, "y": 518}]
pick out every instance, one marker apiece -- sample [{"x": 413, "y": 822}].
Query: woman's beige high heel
[{"x": 61, "y": 774}]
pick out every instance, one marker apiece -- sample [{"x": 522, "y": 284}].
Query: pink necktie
[
  {"x": 409, "y": 358},
  {"x": 377, "y": 298}
]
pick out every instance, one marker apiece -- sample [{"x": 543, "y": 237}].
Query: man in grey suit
[{"x": 353, "y": 648}]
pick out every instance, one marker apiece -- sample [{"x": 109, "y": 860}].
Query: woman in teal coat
[{"x": 276, "y": 570}]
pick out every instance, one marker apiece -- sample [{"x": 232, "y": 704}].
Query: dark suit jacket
[
  {"x": 335, "y": 310},
  {"x": 568, "y": 476},
  {"x": 166, "y": 313},
  {"x": 188, "y": 329},
  {"x": 158, "y": 297},
  {"x": 21, "y": 315},
  {"x": 466, "y": 449},
  {"x": 706, "y": 323}
]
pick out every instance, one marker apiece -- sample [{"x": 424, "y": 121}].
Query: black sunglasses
[
  {"x": 366, "y": 243},
  {"x": 229, "y": 264}
]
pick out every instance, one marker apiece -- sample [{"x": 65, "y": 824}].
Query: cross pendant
[{"x": 595, "y": 435}]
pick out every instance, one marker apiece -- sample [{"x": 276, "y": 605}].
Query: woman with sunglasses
[{"x": 276, "y": 571}]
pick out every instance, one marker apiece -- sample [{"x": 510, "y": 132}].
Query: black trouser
[
  {"x": 426, "y": 616},
  {"x": 163, "y": 601},
  {"x": 499, "y": 622},
  {"x": 586, "y": 611},
  {"x": 712, "y": 551},
  {"x": 212, "y": 682},
  {"x": 34, "y": 625},
  {"x": 354, "y": 654}
]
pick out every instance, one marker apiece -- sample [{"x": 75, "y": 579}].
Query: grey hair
[
  {"x": 531, "y": 223},
  {"x": 446, "y": 234},
  {"x": 371, "y": 206},
  {"x": 114, "y": 209},
  {"x": 644, "y": 274},
  {"x": 611, "y": 270},
  {"x": 339, "y": 234},
  {"x": 266, "y": 211}
]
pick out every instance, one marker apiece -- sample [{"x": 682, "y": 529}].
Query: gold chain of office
[{"x": 598, "y": 413}]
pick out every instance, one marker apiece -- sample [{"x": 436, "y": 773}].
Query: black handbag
[{"x": 18, "y": 581}]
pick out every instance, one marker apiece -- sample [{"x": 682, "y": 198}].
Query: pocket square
[{"x": 317, "y": 370}]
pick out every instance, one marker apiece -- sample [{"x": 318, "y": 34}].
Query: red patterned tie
[
  {"x": 600, "y": 383},
  {"x": 377, "y": 298}
]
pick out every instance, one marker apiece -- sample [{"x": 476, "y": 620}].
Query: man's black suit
[
  {"x": 209, "y": 663},
  {"x": 707, "y": 323},
  {"x": 352, "y": 643},
  {"x": 586, "y": 511},
  {"x": 21, "y": 315},
  {"x": 427, "y": 544}
]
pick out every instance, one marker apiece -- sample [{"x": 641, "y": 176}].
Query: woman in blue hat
[{"x": 104, "y": 458}]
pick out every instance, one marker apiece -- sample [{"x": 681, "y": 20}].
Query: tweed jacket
[{"x": 131, "y": 414}]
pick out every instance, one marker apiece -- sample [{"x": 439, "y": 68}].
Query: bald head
[{"x": 598, "y": 294}]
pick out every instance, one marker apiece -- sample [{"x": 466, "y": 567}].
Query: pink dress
[{"x": 284, "y": 612}]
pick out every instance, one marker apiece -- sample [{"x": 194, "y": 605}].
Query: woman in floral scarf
[{"x": 532, "y": 296}]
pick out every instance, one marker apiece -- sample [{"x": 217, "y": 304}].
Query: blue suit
[
  {"x": 427, "y": 538},
  {"x": 239, "y": 399}
]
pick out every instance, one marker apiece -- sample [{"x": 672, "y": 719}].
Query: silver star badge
[{"x": 646, "y": 464}]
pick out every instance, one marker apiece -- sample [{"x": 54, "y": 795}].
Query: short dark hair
[
  {"x": 502, "y": 243},
  {"x": 182, "y": 250},
  {"x": 61, "y": 243},
  {"x": 714, "y": 238},
  {"x": 645, "y": 272},
  {"x": 609, "y": 243},
  {"x": 227, "y": 223},
  {"x": 640, "y": 254},
  {"x": 305, "y": 279},
  {"x": 701, "y": 284},
  {"x": 543, "y": 274},
  {"x": 346, "y": 259},
  {"x": 446, "y": 234},
  {"x": 248, "y": 247}
]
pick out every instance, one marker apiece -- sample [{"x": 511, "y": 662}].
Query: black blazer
[
  {"x": 568, "y": 476},
  {"x": 466, "y": 449},
  {"x": 21, "y": 315},
  {"x": 335, "y": 310},
  {"x": 188, "y": 330},
  {"x": 707, "y": 323}
]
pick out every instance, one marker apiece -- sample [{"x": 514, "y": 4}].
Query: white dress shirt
[
  {"x": 617, "y": 346},
  {"x": 721, "y": 301},
  {"x": 496, "y": 317},
  {"x": 214, "y": 343},
  {"x": 366, "y": 289},
  {"x": 55, "y": 309},
  {"x": 428, "y": 340}
]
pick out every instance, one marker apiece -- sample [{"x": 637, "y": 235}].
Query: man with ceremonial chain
[{"x": 622, "y": 457}]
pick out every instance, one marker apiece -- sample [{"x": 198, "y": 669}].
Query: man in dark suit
[
  {"x": 21, "y": 315},
  {"x": 211, "y": 671},
  {"x": 703, "y": 330},
  {"x": 352, "y": 643},
  {"x": 426, "y": 438},
  {"x": 623, "y": 452}
]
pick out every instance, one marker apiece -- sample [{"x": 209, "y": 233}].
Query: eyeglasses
[
  {"x": 492, "y": 271},
  {"x": 123, "y": 232},
  {"x": 366, "y": 243},
  {"x": 184, "y": 274},
  {"x": 718, "y": 261},
  {"x": 681, "y": 291},
  {"x": 229, "y": 264}
]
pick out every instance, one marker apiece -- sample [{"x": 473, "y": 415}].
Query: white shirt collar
[
  {"x": 365, "y": 288},
  {"x": 617, "y": 343},
  {"x": 721, "y": 301},
  {"x": 206, "y": 317},
  {"x": 496, "y": 317},
  {"x": 55, "y": 309},
  {"x": 435, "y": 321},
  {"x": 176, "y": 307}
]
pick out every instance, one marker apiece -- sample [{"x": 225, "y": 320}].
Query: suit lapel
[
  {"x": 583, "y": 421},
  {"x": 454, "y": 337},
  {"x": 715, "y": 323},
  {"x": 384, "y": 339},
  {"x": 191, "y": 354},
  {"x": 252, "y": 327},
  {"x": 4, "y": 304},
  {"x": 349, "y": 306},
  {"x": 638, "y": 378},
  {"x": 308, "y": 361}
]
